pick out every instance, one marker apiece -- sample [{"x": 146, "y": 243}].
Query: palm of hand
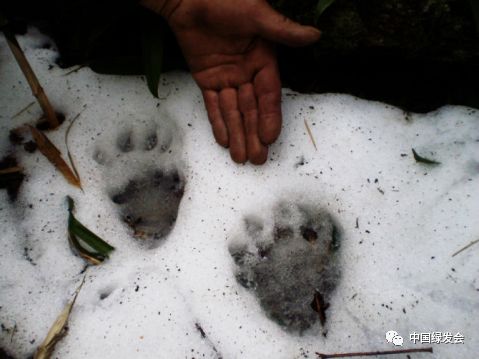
[
  {"x": 239, "y": 80},
  {"x": 235, "y": 68}
]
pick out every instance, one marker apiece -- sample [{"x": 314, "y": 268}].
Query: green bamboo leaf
[
  {"x": 321, "y": 6},
  {"x": 424, "y": 159},
  {"x": 90, "y": 257},
  {"x": 86, "y": 243},
  {"x": 89, "y": 237},
  {"x": 152, "y": 52}
]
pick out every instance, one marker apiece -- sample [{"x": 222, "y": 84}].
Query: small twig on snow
[
  {"x": 368, "y": 354},
  {"x": 77, "y": 68},
  {"x": 23, "y": 110},
  {"x": 310, "y": 134},
  {"x": 9, "y": 170},
  {"x": 466, "y": 247},
  {"x": 320, "y": 306},
  {"x": 70, "y": 158}
]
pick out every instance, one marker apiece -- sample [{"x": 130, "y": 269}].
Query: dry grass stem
[
  {"x": 23, "y": 110},
  {"x": 70, "y": 158},
  {"x": 15, "y": 169},
  {"x": 77, "y": 68},
  {"x": 32, "y": 80},
  {"x": 310, "y": 134},
  {"x": 53, "y": 154},
  {"x": 466, "y": 247},
  {"x": 368, "y": 354}
]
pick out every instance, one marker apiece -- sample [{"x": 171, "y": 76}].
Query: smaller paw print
[{"x": 143, "y": 178}]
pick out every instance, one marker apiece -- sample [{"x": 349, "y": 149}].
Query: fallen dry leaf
[
  {"x": 52, "y": 153},
  {"x": 58, "y": 330}
]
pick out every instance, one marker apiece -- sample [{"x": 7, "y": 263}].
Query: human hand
[{"x": 227, "y": 44}]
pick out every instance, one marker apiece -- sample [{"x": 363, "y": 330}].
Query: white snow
[{"x": 397, "y": 268}]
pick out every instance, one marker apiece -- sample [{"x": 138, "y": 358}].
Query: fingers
[
  {"x": 276, "y": 27},
  {"x": 216, "y": 119},
  {"x": 256, "y": 151},
  {"x": 228, "y": 100},
  {"x": 234, "y": 119},
  {"x": 268, "y": 89}
]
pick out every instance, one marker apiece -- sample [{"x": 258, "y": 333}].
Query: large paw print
[
  {"x": 292, "y": 267},
  {"x": 140, "y": 165}
]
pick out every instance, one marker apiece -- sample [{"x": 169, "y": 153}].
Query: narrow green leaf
[
  {"x": 152, "y": 52},
  {"x": 424, "y": 159},
  {"x": 322, "y": 6},
  {"x": 88, "y": 245},
  {"x": 88, "y": 236}
]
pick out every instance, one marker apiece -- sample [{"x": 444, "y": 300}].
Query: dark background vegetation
[{"x": 416, "y": 54}]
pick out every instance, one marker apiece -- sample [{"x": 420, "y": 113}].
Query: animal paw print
[
  {"x": 293, "y": 267},
  {"x": 143, "y": 179}
]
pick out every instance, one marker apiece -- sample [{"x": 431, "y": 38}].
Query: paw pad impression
[
  {"x": 142, "y": 177},
  {"x": 292, "y": 267}
]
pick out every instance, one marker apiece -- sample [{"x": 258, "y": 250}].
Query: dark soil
[
  {"x": 415, "y": 54},
  {"x": 4, "y": 355},
  {"x": 13, "y": 180}
]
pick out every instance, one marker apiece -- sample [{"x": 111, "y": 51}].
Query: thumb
[{"x": 276, "y": 27}]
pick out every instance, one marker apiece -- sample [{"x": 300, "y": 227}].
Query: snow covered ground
[{"x": 399, "y": 223}]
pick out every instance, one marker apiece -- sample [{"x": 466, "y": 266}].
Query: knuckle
[{"x": 232, "y": 115}]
